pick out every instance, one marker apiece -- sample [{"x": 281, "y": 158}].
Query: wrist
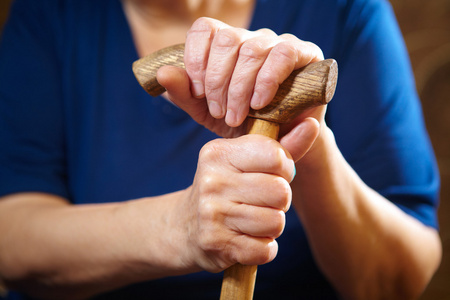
[{"x": 158, "y": 236}]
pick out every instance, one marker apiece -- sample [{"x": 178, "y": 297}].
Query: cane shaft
[{"x": 239, "y": 280}]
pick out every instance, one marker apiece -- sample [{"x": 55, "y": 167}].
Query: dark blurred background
[{"x": 426, "y": 29}]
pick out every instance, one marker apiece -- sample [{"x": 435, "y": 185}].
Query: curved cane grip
[{"x": 310, "y": 86}]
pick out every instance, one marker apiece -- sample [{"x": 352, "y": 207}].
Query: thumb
[
  {"x": 176, "y": 81},
  {"x": 301, "y": 138}
]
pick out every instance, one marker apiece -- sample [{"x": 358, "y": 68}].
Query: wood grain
[
  {"x": 238, "y": 282},
  {"x": 307, "y": 87}
]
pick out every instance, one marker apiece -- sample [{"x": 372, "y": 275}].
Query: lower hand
[{"x": 236, "y": 207}]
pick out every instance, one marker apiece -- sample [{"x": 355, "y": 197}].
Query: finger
[
  {"x": 252, "y": 55},
  {"x": 256, "y": 221},
  {"x": 248, "y": 250},
  {"x": 307, "y": 52},
  {"x": 219, "y": 234},
  {"x": 271, "y": 191},
  {"x": 197, "y": 47},
  {"x": 288, "y": 55},
  {"x": 263, "y": 190},
  {"x": 176, "y": 82},
  {"x": 264, "y": 155},
  {"x": 222, "y": 59},
  {"x": 243, "y": 218},
  {"x": 251, "y": 153},
  {"x": 301, "y": 138}
]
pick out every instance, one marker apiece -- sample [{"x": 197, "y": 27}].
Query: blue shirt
[{"x": 74, "y": 122}]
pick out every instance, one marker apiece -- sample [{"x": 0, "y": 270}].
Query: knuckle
[
  {"x": 284, "y": 51},
  {"x": 267, "y": 80},
  {"x": 194, "y": 64},
  {"x": 251, "y": 50},
  {"x": 210, "y": 184},
  {"x": 317, "y": 52},
  {"x": 201, "y": 25},
  {"x": 226, "y": 38},
  {"x": 274, "y": 155},
  {"x": 264, "y": 255},
  {"x": 208, "y": 178},
  {"x": 266, "y": 32},
  {"x": 280, "y": 63},
  {"x": 278, "y": 222},
  {"x": 194, "y": 60},
  {"x": 211, "y": 150},
  {"x": 238, "y": 92},
  {"x": 283, "y": 195},
  {"x": 213, "y": 80},
  {"x": 236, "y": 97},
  {"x": 208, "y": 212},
  {"x": 214, "y": 88},
  {"x": 289, "y": 36}
]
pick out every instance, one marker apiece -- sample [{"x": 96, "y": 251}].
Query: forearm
[
  {"x": 62, "y": 250},
  {"x": 366, "y": 246}
]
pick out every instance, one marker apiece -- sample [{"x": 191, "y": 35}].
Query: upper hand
[{"x": 229, "y": 70}]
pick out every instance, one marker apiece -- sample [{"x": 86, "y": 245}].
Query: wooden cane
[{"x": 310, "y": 86}]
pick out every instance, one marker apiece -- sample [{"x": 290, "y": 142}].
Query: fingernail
[
  {"x": 230, "y": 118},
  {"x": 294, "y": 172},
  {"x": 197, "y": 89},
  {"x": 255, "y": 103},
  {"x": 215, "y": 109}
]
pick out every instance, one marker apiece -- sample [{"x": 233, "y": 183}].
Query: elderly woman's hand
[{"x": 229, "y": 70}]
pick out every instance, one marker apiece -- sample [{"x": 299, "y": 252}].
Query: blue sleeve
[
  {"x": 376, "y": 114},
  {"x": 31, "y": 122}
]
